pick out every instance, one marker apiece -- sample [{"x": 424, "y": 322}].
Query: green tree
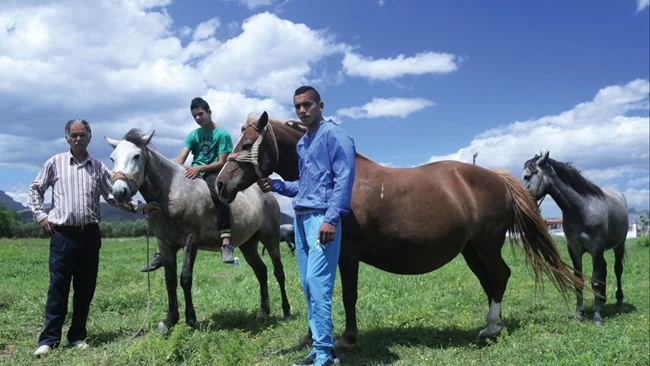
[
  {"x": 9, "y": 220},
  {"x": 643, "y": 224}
]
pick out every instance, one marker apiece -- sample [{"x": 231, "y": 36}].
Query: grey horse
[
  {"x": 188, "y": 220},
  {"x": 595, "y": 219},
  {"x": 288, "y": 236}
]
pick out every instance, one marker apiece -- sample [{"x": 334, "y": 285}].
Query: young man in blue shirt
[{"x": 321, "y": 197}]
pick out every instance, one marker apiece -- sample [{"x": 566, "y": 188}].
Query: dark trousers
[
  {"x": 74, "y": 256},
  {"x": 223, "y": 210}
]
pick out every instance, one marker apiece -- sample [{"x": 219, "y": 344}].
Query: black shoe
[
  {"x": 156, "y": 262},
  {"x": 226, "y": 254},
  {"x": 307, "y": 361},
  {"x": 311, "y": 357}
]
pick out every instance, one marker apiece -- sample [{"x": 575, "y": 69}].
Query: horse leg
[
  {"x": 252, "y": 257},
  {"x": 576, "y": 258},
  {"x": 599, "y": 284},
  {"x": 478, "y": 268},
  {"x": 278, "y": 271},
  {"x": 619, "y": 253},
  {"x": 349, "y": 271},
  {"x": 169, "y": 263},
  {"x": 498, "y": 273},
  {"x": 189, "y": 256}
]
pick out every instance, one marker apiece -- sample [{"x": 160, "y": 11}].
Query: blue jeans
[
  {"x": 317, "y": 264},
  {"x": 74, "y": 257}
]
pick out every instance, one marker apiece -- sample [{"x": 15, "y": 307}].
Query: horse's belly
[{"x": 407, "y": 261}]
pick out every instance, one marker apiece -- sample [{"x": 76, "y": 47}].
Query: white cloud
[
  {"x": 206, "y": 29},
  {"x": 129, "y": 68},
  {"x": 642, "y": 181},
  {"x": 606, "y": 138},
  {"x": 637, "y": 197},
  {"x": 391, "y": 107},
  {"x": 268, "y": 57},
  {"x": 390, "y": 68},
  {"x": 381, "y": 2},
  {"x": 252, "y": 4},
  {"x": 642, "y": 4}
]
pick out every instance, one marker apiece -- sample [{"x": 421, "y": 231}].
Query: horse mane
[
  {"x": 570, "y": 175},
  {"x": 136, "y": 137},
  {"x": 296, "y": 124}
]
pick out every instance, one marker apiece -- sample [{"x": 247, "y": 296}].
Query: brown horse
[{"x": 412, "y": 220}]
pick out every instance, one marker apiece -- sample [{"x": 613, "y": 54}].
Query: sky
[{"x": 412, "y": 81}]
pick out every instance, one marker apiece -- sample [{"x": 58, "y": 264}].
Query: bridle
[
  {"x": 539, "y": 182},
  {"x": 133, "y": 179},
  {"x": 252, "y": 156}
]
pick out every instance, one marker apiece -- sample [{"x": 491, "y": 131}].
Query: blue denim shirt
[{"x": 326, "y": 165}]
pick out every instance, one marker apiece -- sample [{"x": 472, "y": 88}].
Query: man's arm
[
  {"x": 37, "y": 190},
  {"x": 183, "y": 156},
  {"x": 214, "y": 167},
  {"x": 342, "y": 155}
]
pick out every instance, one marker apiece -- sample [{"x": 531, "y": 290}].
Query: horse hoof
[
  {"x": 343, "y": 346},
  {"x": 619, "y": 305},
  {"x": 261, "y": 315},
  {"x": 490, "y": 331},
  {"x": 578, "y": 317},
  {"x": 161, "y": 327},
  {"x": 598, "y": 322}
]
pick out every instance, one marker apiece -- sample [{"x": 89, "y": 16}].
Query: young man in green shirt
[{"x": 210, "y": 145}]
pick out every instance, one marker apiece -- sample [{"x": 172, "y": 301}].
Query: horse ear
[
  {"x": 261, "y": 123},
  {"x": 111, "y": 142},
  {"x": 148, "y": 137},
  {"x": 542, "y": 160}
]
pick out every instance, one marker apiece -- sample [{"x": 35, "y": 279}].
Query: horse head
[
  {"x": 255, "y": 156},
  {"x": 534, "y": 177},
  {"x": 129, "y": 160}
]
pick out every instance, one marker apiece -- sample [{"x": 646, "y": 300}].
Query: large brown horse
[{"x": 412, "y": 220}]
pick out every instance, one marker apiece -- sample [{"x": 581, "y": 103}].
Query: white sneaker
[
  {"x": 80, "y": 344},
  {"x": 42, "y": 350}
]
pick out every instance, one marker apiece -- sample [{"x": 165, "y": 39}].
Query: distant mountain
[
  {"x": 635, "y": 212},
  {"x": 10, "y": 203},
  {"x": 108, "y": 212}
]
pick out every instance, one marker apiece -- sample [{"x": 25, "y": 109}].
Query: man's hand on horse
[
  {"x": 265, "y": 184},
  {"x": 151, "y": 209},
  {"x": 192, "y": 172},
  {"x": 326, "y": 233},
  {"x": 47, "y": 228}
]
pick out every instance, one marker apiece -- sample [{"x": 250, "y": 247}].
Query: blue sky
[{"x": 411, "y": 81}]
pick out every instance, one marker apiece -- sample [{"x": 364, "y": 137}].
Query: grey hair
[{"x": 77, "y": 120}]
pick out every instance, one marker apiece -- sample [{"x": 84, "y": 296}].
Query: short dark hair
[
  {"x": 77, "y": 120},
  {"x": 306, "y": 88},
  {"x": 199, "y": 103}
]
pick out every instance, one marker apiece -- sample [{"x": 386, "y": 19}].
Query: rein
[
  {"x": 539, "y": 182},
  {"x": 252, "y": 156},
  {"x": 133, "y": 179}
]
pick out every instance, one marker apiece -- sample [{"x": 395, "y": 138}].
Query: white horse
[{"x": 188, "y": 220}]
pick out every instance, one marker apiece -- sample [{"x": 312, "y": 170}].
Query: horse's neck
[
  {"x": 288, "y": 165},
  {"x": 569, "y": 201},
  {"x": 158, "y": 175}
]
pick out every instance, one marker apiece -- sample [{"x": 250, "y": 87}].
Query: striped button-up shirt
[{"x": 76, "y": 187}]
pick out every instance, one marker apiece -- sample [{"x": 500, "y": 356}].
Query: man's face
[
  {"x": 201, "y": 116},
  {"x": 309, "y": 112},
  {"x": 78, "y": 138}
]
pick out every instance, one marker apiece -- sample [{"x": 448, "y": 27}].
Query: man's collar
[{"x": 73, "y": 161}]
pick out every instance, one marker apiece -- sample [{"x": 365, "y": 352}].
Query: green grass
[{"x": 430, "y": 319}]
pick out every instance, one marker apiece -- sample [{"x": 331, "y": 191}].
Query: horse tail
[{"x": 528, "y": 227}]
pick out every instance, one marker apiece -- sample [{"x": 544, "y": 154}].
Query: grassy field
[{"x": 430, "y": 319}]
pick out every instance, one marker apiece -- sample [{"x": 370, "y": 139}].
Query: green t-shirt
[{"x": 206, "y": 145}]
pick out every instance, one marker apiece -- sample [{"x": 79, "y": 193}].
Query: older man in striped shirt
[{"x": 77, "y": 181}]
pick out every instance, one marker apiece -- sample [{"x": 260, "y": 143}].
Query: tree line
[{"x": 12, "y": 226}]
